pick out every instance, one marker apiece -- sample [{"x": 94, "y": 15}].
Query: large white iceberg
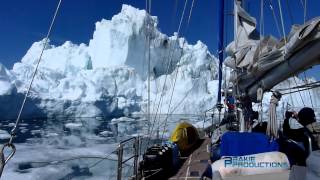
[{"x": 109, "y": 76}]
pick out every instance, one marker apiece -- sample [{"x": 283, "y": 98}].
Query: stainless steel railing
[{"x": 135, "y": 141}]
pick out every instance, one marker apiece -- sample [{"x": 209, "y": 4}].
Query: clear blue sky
[{"x": 24, "y": 22}]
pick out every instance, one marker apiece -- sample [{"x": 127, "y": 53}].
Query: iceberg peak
[{"x": 109, "y": 75}]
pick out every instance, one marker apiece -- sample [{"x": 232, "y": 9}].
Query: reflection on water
[
  {"x": 82, "y": 134},
  {"x": 87, "y": 140}
]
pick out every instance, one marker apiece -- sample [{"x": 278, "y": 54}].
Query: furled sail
[{"x": 263, "y": 63}]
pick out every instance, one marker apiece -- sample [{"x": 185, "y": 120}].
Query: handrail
[{"x": 121, "y": 161}]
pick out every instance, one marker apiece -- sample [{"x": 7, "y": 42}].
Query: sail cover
[{"x": 256, "y": 58}]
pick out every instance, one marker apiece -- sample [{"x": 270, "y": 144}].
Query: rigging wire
[
  {"x": 162, "y": 92},
  {"x": 260, "y": 105},
  {"x": 300, "y": 88},
  {"x": 304, "y": 6},
  {"x": 190, "y": 13},
  {"x": 56, "y": 162},
  {"x": 148, "y": 7},
  {"x": 156, "y": 172},
  {"x": 306, "y": 82},
  {"x": 235, "y": 91},
  {"x": 176, "y": 75},
  {"x": 167, "y": 70},
  {"x": 316, "y": 83},
  {"x": 289, "y": 12},
  {"x": 305, "y": 89},
  {"x": 182, "y": 16},
  {"x": 305, "y": 11},
  {"x": 168, "y": 63},
  {"x": 282, "y": 25},
  {"x": 13, "y": 131},
  {"x": 170, "y": 54},
  {"x": 145, "y": 59},
  {"x": 261, "y": 23},
  {"x": 304, "y": 19},
  {"x": 226, "y": 37},
  {"x": 295, "y": 81},
  {"x": 261, "y": 18},
  {"x": 101, "y": 160},
  {"x": 171, "y": 57},
  {"x": 290, "y": 91},
  {"x": 274, "y": 17},
  {"x": 285, "y": 41}
]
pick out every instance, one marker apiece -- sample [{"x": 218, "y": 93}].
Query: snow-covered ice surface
[{"x": 107, "y": 78}]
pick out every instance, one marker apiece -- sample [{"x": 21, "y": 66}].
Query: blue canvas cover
[{"x": 241, "y": 144}]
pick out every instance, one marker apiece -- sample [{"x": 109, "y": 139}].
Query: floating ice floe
[
  {"x": 74, "y": 125},
  {"x": 4, "y": 134}
]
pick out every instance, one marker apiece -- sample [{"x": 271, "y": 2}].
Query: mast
[
  {"x": 236, "y": 94},
  {"x": 220, "y": 49},
  {"x": 235, "y": 23},
  {"x": 235, "y": 35}
]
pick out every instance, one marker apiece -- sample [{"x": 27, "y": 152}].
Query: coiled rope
[{"x": 272, "y": 128}]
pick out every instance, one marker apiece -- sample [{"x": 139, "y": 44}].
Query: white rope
[
  {"x": 35, "y": 72},
  {"x": 239, "y": 114},
  {"x": 260, "y": 112},
  {"x": 272, "y": 128}
]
